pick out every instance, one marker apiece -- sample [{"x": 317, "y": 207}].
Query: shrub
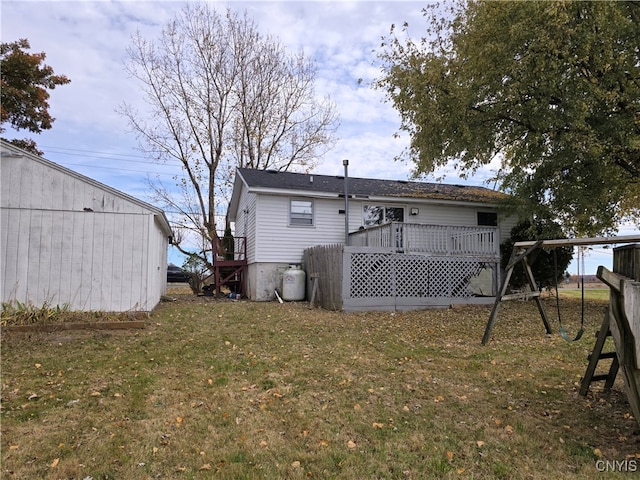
[{"x": 544, "y": 268}]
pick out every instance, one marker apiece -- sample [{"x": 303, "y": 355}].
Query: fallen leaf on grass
[
  {"x": 55, "y": 462},
  {"x": 351, "y": 444},
  {"x": 295, "y": 464},
  {"x": 449, "y": 455},
  {"x": 263, "y": 444},
  {"x": 480, "y": 443},
  {"x": 14, "y": 447},
  {"x": 206, "y": 466},
  {"x": 508, "y": 429},
  {"x": 597, "y": 452},
  {"x": 378, "y": 425}
]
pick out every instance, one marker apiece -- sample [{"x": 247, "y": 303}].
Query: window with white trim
[
  {"x": 301, "y": 212},
  {"x": 379, "y": 214}
]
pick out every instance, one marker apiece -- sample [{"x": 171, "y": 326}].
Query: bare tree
[{"x": 221, "y": 95}]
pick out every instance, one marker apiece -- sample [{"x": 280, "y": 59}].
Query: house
[
  {"x": 66, "y": 239},
  {"x": 283, "y": 214}
]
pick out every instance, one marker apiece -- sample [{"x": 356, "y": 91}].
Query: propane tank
[{"x": 293, "y": 283}]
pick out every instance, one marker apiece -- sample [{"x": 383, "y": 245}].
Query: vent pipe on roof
[{"x": 346, "y": 202}]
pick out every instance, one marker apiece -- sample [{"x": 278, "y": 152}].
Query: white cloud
[{"x": 87, "y": 41}]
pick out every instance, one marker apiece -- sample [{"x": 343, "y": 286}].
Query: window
[
  {"x": 488, "y": 219},
  {"x": 301, "y": 212},
  {"x": 379, "y": 214}
]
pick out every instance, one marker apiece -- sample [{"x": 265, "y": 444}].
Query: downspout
[{"x": 346, "y": 202}]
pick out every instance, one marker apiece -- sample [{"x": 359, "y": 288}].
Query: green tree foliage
[
  {"x": 549, "y": 89},
  {"x": 546, "y": 269},
  {"x": 24, "y": 81}
]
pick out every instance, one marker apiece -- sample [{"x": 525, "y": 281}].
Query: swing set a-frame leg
[
  {"x": 513, "y": 260},
  {"x": 496, "y": 304},
  {"x": 534, "y": 288}
]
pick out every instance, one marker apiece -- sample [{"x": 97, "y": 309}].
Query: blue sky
[{"x": 87, "y": 41}]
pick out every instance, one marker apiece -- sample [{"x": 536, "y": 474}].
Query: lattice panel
[
  {"x": 371, "y": 275},
  {"x": 395, "y": 275},
  {"x": 411, "y": 280}
]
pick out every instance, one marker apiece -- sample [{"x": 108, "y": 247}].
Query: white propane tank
[{"x": 293, "y": 283}]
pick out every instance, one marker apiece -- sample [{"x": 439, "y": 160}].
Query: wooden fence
[
  {"x": 626, "y": 261},
  {"x": 324, "y": 262}
]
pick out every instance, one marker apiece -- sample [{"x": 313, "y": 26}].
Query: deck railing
[
  {"x": 430, "y": 239},
  {"x": 232, "y": 249}
]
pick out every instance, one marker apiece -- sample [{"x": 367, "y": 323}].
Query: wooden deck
[{"x": 369, "y": 278}]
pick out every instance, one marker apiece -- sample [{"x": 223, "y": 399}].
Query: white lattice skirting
[{"x": 392, "y": 280}]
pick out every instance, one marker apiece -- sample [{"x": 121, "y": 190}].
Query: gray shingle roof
[{"x": 269, "y": 179}]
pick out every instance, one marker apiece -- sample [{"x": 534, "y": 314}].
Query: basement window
[{"x": 301, "y": 212}]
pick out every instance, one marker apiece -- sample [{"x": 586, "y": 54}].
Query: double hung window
[{"x": 301, "y": 212}]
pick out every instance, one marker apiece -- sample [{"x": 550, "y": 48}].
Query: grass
[
  {"x": 589, "y": 293},
  {"x": 233, "y": 390}
]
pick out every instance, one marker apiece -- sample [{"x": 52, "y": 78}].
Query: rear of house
[
  {"x": 282, "y": 214},
  {"x": 69, "y": 240}
]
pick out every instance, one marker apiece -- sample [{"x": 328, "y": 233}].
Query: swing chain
[{"x": 563, "y": 332}]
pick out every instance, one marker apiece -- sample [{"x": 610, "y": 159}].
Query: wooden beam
[
  {"x": 534, "y": 287},
  {"x": 613, "y": 280},
  {"x": 521, "y": 255},
  {"x": 568, "y": 242},
  {"x": 496, "y": 303},
  {"x": 521, "y": 296}
]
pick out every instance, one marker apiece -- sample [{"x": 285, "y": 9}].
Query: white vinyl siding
[
  {"x": 278, "y": 241},
  {"x": 245, "y": 223}
]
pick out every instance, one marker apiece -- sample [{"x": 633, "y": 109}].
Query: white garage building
[{"x": 66, "y": 239}]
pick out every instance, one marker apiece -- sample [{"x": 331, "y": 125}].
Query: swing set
[
  {"x": 526, "y": 253},
  {"x": 622, "y": 321}
]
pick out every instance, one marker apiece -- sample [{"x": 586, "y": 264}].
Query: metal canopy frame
[{"x": 526, "y": 253}]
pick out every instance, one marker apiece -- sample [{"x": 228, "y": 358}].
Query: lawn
[
  {"x": 589, "y": 293},
  {"x": 220, "y": 389}
]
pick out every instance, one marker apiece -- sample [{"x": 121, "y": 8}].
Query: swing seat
[
  {"x": 563, "y": 332},
  {"x": 566, "y": 336}
]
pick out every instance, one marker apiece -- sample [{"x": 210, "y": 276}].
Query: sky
[{"x": 87, "y": 42}]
